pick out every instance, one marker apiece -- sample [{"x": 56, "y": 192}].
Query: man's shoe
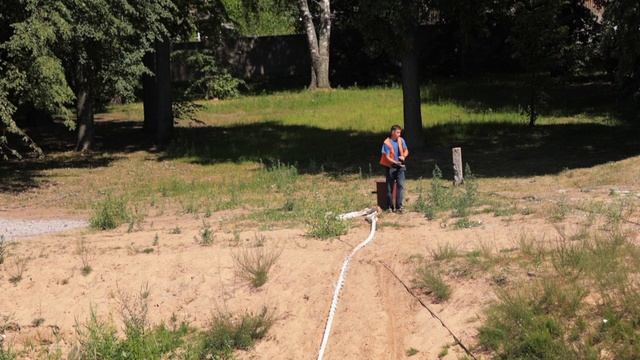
[{"x": 400, "y": 210}]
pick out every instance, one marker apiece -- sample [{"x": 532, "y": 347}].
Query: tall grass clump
[
  {"x": 84, "y": 253},
  {"x": 521, "y": 328},
  {"x": 253, "y": 264},
  {"x": 327, "y": 225},
  {"x": 227, "y": 333},
  {"x": 110, "y": 213},
  {"x": 6, "y": 354},
  {"x": 431, "y": 282},
  {"x": 98, "y": 339},
  {"x": 443, "y": 198},
  {"x": 587, "y": 304},
  {"x": 281, "y": 176}
]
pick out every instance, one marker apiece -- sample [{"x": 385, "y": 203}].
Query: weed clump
[
  {"x": 429, "y": 280},
  {"x": 556, "y": 316},
  {"x": 253, "y": 264},
  {"x": 442, "y": 198},
  {"x": 110, "y": 213},
  {"x": 85, "y": 257},
  {"x": 328, "y": 226},
  {"x": 18, "y": 269},
  {"x": 206, "y": 237},
  {"x": 226, "y": 334}
]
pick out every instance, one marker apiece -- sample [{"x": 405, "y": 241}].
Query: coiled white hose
[{"x": 372, "y": 217}]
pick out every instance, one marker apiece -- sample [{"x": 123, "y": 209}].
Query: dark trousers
[{"x": 395, "y": 176}]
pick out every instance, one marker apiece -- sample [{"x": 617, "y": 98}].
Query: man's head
[{"x": 395, "y": 132}]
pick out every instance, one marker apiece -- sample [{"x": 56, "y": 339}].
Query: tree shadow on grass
[
  {"x": 491, "y": 149},
  {"x": 571, "y": 97},
  {"x": 112, "y": 139}
]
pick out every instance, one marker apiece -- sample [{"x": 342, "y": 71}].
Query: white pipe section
[{"x": 372, "y": 217}]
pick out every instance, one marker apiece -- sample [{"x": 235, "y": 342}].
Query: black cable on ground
[{"x": 433, "y": 314}]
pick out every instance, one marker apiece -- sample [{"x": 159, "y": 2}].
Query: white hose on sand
[{"x": 372, "y": 216}]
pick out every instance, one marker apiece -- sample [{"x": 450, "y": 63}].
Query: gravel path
[{"x": 12, "y": 228}]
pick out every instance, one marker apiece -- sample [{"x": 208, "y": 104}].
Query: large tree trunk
[
  {"x": 158, "y": 116},
  {"x": 84, "y": 115},
  {"x": 411, "y": 98},
  {"x": 163, "y": 83},
  {"x": 319, "y": 42},
  {"x": 149, "y": 95}
]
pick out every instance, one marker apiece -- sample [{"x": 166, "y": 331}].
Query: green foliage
[
  {"x": 226, "y": 333},
  {"x": 517, "y": 330},
  {"x": 109, "y": 213},
  {"x": 621, "y": 19},
  {"x": 444, "y": 252},
  {"x": 468, "y": 198},
  {"x": 555, "y": 317},
  {"x": 7, "y": 354},
  {"x": 61, "y": 51},
  {"x": 210, "y": 80},
  {"x": 428, "y": 279},
  {"x": 442, "y": 198},
  {"x": 546, "y": 40},
  {"x": 465, "y": 223},
  {"x": 262, "y": 17},
  {"x": 411, "y": 351},
  {"x": 327, "y": 225},
  {"x": 98, "y": 339}
]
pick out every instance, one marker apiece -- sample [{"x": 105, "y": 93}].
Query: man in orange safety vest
[{"x": 393, "y": 155}]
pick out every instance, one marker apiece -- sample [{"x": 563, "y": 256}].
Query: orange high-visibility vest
[{"x": 384, "y": 158}]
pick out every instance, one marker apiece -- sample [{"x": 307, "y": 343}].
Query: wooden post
[{"x": 458, "y": 176}]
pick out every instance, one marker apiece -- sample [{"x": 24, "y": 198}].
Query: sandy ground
[{"x": 376, "y": 317}]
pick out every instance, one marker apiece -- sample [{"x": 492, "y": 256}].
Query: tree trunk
[
  {"x": 149, "y": 96},
  {"x": 84, "y": 115},
  {"x": 411, "y": 98},
  {"x": 163, "y": 83},
  {"x": 319, "y": 43},
  {"x": 324, "y": 42}
]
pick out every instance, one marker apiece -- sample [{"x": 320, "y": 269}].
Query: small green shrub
[
  {"x": 465, "y": 223},
  {"x": 206, "y": 235},
  {"x": 444, "y": 252},
  {"x": 442, "y": 198},
  {"x": 98, "y": 340},
  {"x": 432, "y": 283},
  {"x": 411, "y": 351},
  {"x": 7, "y": 354},
  {"x": 226, "y": 334},
  {"x": 254, "y": 264},
  {"x": 328, "y": 226},
  {"x": 463, "y": 201},
  {"x": 514, "y": 331},
  {"x": 110, "y": 213},
  {"x": 560, "y": 210}
]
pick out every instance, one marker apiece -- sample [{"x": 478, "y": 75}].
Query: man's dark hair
[{"x": 395, "y": 127}]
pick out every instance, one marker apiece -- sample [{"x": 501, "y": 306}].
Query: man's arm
[{"x": 403, "y": 157}]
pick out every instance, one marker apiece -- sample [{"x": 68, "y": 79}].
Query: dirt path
[{"x": 19, "y": 228}]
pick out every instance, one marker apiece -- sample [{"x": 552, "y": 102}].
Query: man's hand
[{"x": 401, "y": 158}]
